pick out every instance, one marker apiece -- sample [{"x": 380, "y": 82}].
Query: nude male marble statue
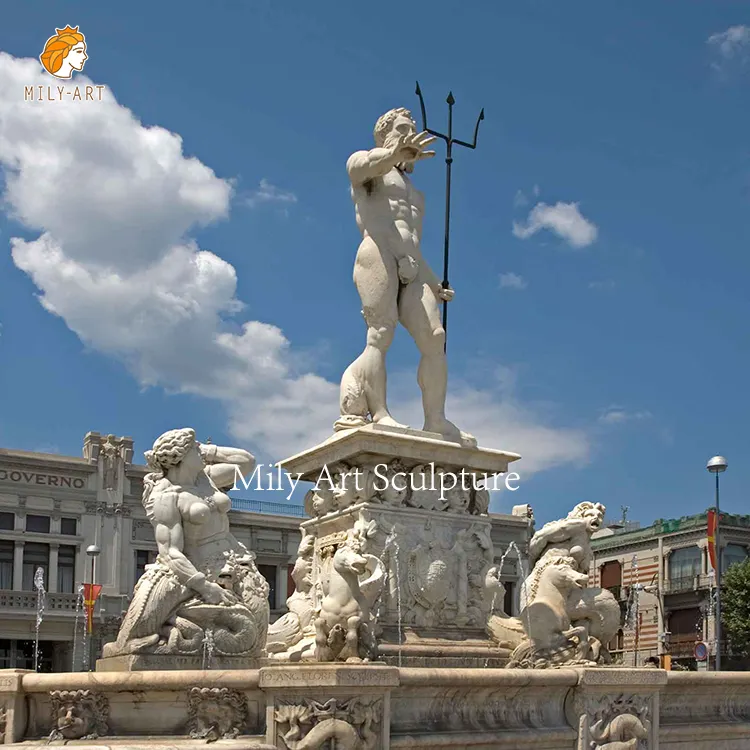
[{"x": 394, "y": 281}]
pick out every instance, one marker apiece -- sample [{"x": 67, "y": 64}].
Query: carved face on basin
[{"x": 72, "y": 723}]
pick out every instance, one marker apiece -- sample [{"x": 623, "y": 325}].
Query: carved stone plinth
[
  {"x": 141, "y": 662},
  {"x": 402, "y": 563},
  {"x": 13, "y": 708},
  {"x": 376, "y": 443},
  {"x": 616, "y": 708},
  {"x": 309, "y": 705}
]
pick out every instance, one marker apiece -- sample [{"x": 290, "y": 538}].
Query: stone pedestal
[
  {"x": 616, "y": 708},
  {"x": 347, "y": 703},
  {"x": 144, "y": 662},
  {"x": 419, "y": 508}
]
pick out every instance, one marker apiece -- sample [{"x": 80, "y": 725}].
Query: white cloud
[
  {"x": 732, "y": 44},
  {"x": 512, "y": 280},
  {"x": 618, "y": 415},
  {"x": 563, "y": 219},
  {"x": 114, "y": 203},
  {"x": 499, "y": 418},
  {"x": 520, "y": 200},
  {"x": 266, "y": 193},
  {"x": 602, "y": 285}
]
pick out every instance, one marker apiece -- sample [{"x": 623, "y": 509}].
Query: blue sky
[{"x": 599, "y": 245}]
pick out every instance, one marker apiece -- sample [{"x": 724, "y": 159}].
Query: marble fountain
[{"x": 395, "y": 635}]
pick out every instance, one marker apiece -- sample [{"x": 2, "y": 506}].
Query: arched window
[
  {"x": 684, "y": 563},
  {"x": 733, "y": 553}
]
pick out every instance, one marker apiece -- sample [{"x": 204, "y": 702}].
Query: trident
[{"x": 449, "y": 141}]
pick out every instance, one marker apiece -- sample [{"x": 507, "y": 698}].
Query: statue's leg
[
  {"x": 322, "y": 651},
  {"x": 376, "y": 279},
  {"x": 420, "y": 315},
  {"x": 352, "y": 637}
]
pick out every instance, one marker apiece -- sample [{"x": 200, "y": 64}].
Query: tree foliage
[{"x": 735, "y": 606}]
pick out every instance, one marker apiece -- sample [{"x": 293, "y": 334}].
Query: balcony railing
[
  {"x": 687, "y": 583},
  {"x": 267, "y": 506},
  {"x": 27, "y": 600}
]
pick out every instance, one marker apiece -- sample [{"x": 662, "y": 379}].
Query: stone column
[
  {"x": 54, "y": 548},
  {"x": 18, "y": 565},
  {"x": 281, "y": 585},
  {"x": 13, "y": 704}
]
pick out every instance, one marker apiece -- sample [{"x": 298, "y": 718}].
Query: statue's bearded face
[{"x": 402, "y": 125}]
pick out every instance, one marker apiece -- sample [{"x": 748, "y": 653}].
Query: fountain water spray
[
  {"x": 79, "y": 603},
  {"x": 41, "y": 600},
  {"x": 208, "y": 648},
  {"x": 391, "y": 542},
  {"x": 511, "y": 546}
]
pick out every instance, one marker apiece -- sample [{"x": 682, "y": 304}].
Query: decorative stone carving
[
  {"x": 353, "y": 724},
  {"x": 110, "y": 453},
  {"x": 78, "y": 714},
  {"x": 297, "y": 623},
  {"x": 345, "y": 625},
  {"x": 3, "y": 724},
  {"x": 564, "y": 621},
  {"x": 394, "y": 281},
  {"x": 396, "y": 485},
  {"x": 216, "y": 713},
  {"x": 620, "y": 724},
  {"x": 204, "y": 590}
]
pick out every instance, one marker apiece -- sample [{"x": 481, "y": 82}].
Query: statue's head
[
  {"x": 174, "y": 448},
  {"x": 563, "y": 574},
  {"x": 64, "y": 52},
  {"x": 592, "y": 513},
  {"x": 392, "y": 125}
]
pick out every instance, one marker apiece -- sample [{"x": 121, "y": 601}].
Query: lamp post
[
  {"x": 716, "y": 466},
  {"x": 93, "y": 551}
]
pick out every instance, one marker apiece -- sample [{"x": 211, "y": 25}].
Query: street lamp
[
  {"x": 716, "y": 466},
  {"x": 93, "y": 551}
]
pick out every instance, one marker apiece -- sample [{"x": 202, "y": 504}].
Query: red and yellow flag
[
  {"x": 712, "y": 537},
  {"x": 91, "y": 593}
]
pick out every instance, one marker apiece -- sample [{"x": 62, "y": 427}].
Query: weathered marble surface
[
  {"x": 203, "y": 596},
  {"x": 647, "y": 709},
  {"x": 402, "y": 557},
  {"x": 394, "y": 280},
  {"x": 565, "y": 622}
]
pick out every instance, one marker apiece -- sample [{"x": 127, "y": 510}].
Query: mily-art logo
[{"x": 64, "y": 54}]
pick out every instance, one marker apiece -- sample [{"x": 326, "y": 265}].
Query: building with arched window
[{"x": 663, "y": 579}]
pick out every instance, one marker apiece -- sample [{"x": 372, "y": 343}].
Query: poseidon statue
[{"x": 393, "y": 279}]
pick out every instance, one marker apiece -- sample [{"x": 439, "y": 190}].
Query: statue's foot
[
  {"x": 450, "y": 432},
  {"x": 389, "y": 421}
]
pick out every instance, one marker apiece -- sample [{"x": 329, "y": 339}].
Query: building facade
[
  {"x": 53, "y": 508},
  {"x": 663, "y": 578}
]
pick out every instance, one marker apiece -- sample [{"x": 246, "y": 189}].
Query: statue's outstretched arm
[
  {"x": 364, "y": 166},
  {"x": 224, "y": 463}
]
